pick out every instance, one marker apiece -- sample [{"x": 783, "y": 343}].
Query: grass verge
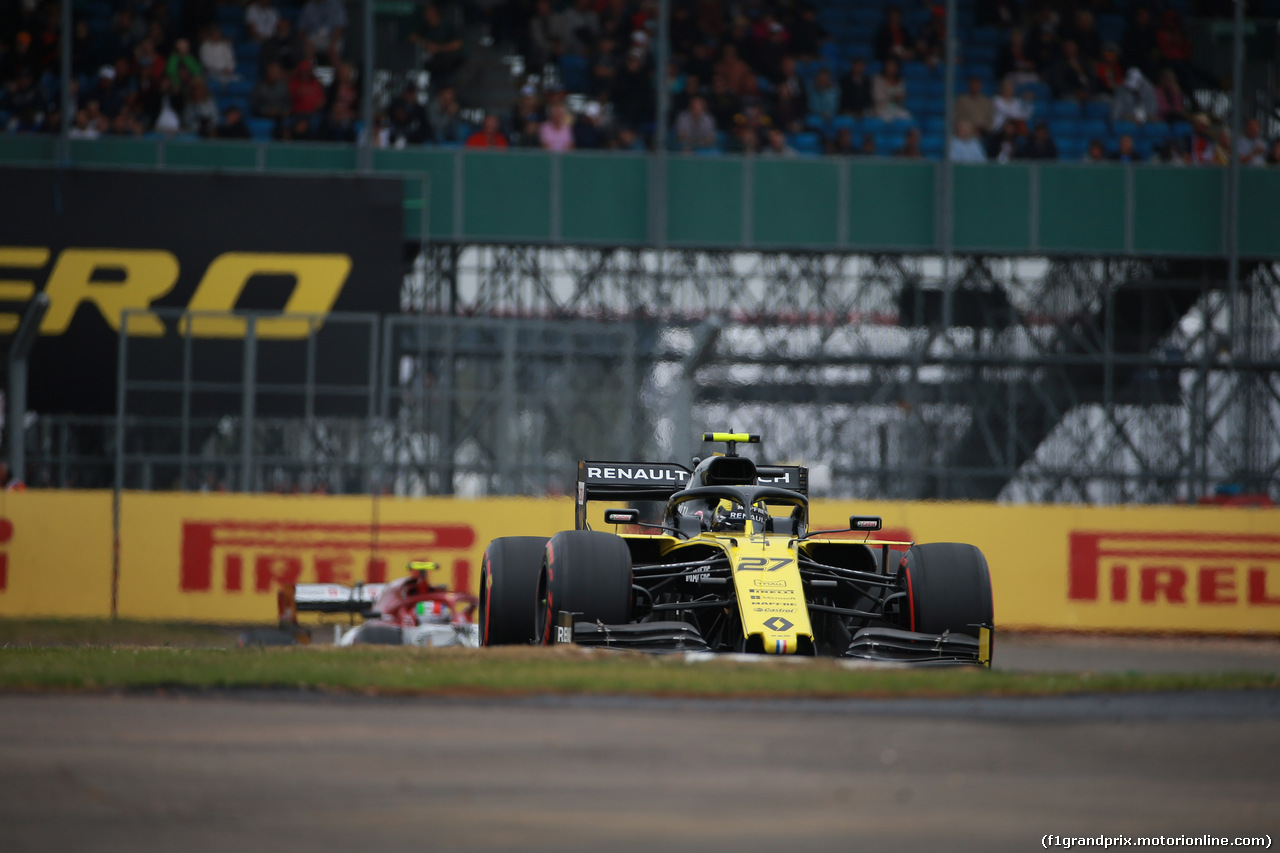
[{"x": 517, "y": 671}]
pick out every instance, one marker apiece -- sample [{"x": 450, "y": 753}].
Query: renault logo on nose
[{"x": 777, "y": 623}]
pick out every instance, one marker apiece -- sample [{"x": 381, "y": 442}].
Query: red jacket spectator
[
  {"x": 488, "y": 136},
  {"x": 306, "y": 95}
]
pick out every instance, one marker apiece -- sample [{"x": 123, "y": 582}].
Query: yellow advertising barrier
[
  {"x": 55, "y": 554},
  {"x": 218, "y": 557}
]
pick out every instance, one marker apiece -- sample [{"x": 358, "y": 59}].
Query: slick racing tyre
[
  {"x": 948, "y": 588},
  {"x": 508, "y": 586},
  {"x": 586, "y": 573}
]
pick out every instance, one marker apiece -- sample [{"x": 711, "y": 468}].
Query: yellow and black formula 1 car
[{"x": 721, "y": 558}]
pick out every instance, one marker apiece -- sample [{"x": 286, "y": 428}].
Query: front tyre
[
  {"x": 948, "y": 587},
  {"x": 508, "y": 584},
  {"x": 588, "y": 574}
]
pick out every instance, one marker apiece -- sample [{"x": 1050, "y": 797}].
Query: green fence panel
[
  {"x": 311, "y": 158},
  {"x": 704, "y": 201},
  {"x": 891, "y": 205},
  {"x": 114, "y": 152},
  {"x": 508, "y": 195},
  {"x": 992, "y": 208},
  {"x": 28, "y": 148},
  {"x": 204, "y": 155},
  {"x": 1177, "y": 211},
  {"x": 795, "y": 202},
  {"x": 1259, "y": 222},
  {"x": 604, "y": 199},
  {"x": 438, "y": 166},
  {"x": 1082, "y": 209}
]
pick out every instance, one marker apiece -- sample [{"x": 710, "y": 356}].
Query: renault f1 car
[
  {"x": 726, "y": 562},
  {"x": 408, "y": 611}
]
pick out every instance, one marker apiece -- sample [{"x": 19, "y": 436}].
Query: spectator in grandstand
[
  {"x": 339, "y": 124},
  {"x": 1252, "y": 148},
  {"x": 695, "y": 127},
  {"x": 1138, "y": 47},
  {"x": 842, "y": 144},
  {"x": 824, "y": 95},
  {"x": 1082, "y": 29},
  {"x": 1005, "y": 145},
  {"x": 1042, "y": 37},
  {"x": 965, "y": 146},
  {"x": 750, "y": 128},
  {"x": 577, "y": 27},
  {"x": 1173, "y": 48},
  {"x": 296, "y": 129},
  {"x": 270, "y": 97},
  {"x": 104, "y": 94},
  {"x": 1009, "y": 107},
  {"x": 125, "y": 33},
  {"x": 855, "y": 90},
  {"x": 807, "y": 35},
  {"x": 489, "y": 135},
  {"x": 182, "y": 66},
  {"x": 540, "y": 37},
  {"x": 1095, "y": 152},
  {"x": 588, "y": 129},
  {"x": 1200, "y": 152},
  {"x": 444, "y": 115},
  {"x": 1108, "y": 73},
  {"x": 889, "y": 92},
  {"x": 1125, "y": 152},
  {"x": 931, "y": 45},
  {"x": 633, "y": 95},
  {"x": 260, "y": 19},
  {"x": 736, "y": 72},
  {"x": 1222, "y": 147},
  {"x": 777, "y": 146},
  {"x": 975, "y": 107},
  {"x": 1069, "y": 76},
  {"x": 1135, "y": 100},
  {"x": 233, "y": 125},
  {"x": 127, "y": 123},
  {"x": 527, "y": 110},
  {"x": 893, "y": 39},
  {"x": 343, "y": 89},
  {"x": 722, "y": 103},
  {"x": 1171, "y": 104},
  {"x": 306, "y": 95},
  {"x": 216, "y": 54},
  {"x": 1040, "y": 145},
  {"x": 322, "y": 24},
  {"x": 147, "y": 61},
  {"x": 605, "y": 62},
  {"x": 441, "y": 43},
  {"x": 868, "y": 147},
  {"x": 285, "y": 47},
  {"x": 406, "y": 119},
  {"x": 83, "y": 128},
  {"x": 1015, "y": 61},
  {"x": 200, "y": 111},
  {"x": 556, "y": 133},
  {"x": 910, "y": 146},
  {"x": 164, "y": 106},
  {"x": 1273, "y": 156}
]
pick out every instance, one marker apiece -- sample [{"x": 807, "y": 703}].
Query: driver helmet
[
  {"x": 431, "y": 612},
  {"x": 734, "y": 518}
]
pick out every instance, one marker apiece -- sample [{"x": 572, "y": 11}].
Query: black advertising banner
[{"x": 100, "y": 242}]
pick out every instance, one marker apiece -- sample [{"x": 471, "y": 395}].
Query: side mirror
[
  {"x": 621, "y": 516},
  {"x": 865, "y": 522}
]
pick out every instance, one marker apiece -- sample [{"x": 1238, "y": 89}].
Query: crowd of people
[{"x": 751, "y": 76}]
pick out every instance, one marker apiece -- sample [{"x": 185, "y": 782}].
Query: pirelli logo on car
[
  {"x": 1174, "y": 568},
  {"x": 259, "y": 556}
]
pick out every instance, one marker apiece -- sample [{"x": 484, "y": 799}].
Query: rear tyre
[
  {"x": 948, "y": 588},
  {"x": 508, "y": 586},
  {"x": 588, "y": 574}
]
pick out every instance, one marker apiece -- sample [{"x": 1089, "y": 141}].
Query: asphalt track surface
[{"x": 280, "y": 771}]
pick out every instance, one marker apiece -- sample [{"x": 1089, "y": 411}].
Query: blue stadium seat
[
  {"x": 1092, "y": 127},
  {"x": 1071, "y": 147},
  {"x": 1063, "y": 128},
  {"x": 1180, "y": 128},
  {"x": 928, "y": 88},
  {"x": 889, "y": 143},
  {"x": 1125, "y": 128},
  {"x": 1097, "y": 109},
  {"x": 873, "y": 124},
  {"x": 574, "y": 73},
  {"x": 806, "y": 143},
  {"x": 912, "y": 71},
  {"x": 241, "y": 88},
  {"x": 987, "y": 36},
  {"x": 1157, "y": 131},
  {"x": 931, "y": 146},
  {"x": 815, "y": 122},
  {"x": 1065, "y": 109},
  {"x": 935, "y": 126},
  {"x": 841, "y": 122},
  {"x": 227, "y": 101},
  {"x": 247, "y": 51},
  {"x": 230, "y": 14},
  {"x": 261, "y": 128}
]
